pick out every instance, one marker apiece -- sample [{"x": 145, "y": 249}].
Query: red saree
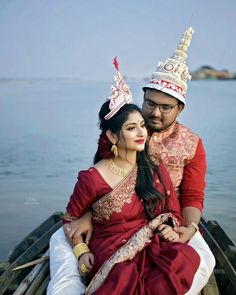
[{"x": 129, "y": 257}]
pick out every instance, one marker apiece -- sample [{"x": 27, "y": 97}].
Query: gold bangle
[
  {"x": 80, "y": 249},
  {"x": 195, "y": 226}
]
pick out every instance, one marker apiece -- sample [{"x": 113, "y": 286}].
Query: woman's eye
[{"x": 130, "y": 128}]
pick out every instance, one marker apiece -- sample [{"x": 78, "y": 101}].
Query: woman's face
[{"x": 133, "y": 134}]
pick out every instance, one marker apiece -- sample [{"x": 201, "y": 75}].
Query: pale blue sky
[{"x": 75, "y": 38}]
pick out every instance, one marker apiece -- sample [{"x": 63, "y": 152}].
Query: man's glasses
[{"x": 164, "y": 108}]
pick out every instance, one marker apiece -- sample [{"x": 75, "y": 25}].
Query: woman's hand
[
  {"x": 76, "y": 228},
  {"x": 86, "y": 262},
  {"x": 167, "y": 233}
]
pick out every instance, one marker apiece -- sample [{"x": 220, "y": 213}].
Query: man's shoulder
[{"x": 182, "y": 128}]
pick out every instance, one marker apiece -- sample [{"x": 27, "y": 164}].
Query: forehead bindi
[{"x": 134, "y": 118}]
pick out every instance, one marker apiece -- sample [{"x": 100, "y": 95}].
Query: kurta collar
[{"x": 156, "y": 136}]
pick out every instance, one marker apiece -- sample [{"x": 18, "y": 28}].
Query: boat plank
[
  {"x": 221, "y": 278},
  {"x": 43, "y": 287},
  {"x": 219, "y": 234},
  {"x": 38, "y": 280},
  {"x": 222, "y": 259},
  {"x": 29, "y": 278},
  {"x": 40, "y": 245},
  {"x": 34, "y": 235},
  {"x": 230, "y": 252}
]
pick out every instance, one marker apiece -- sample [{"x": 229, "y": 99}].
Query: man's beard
[{"x": 151, "y": 126}]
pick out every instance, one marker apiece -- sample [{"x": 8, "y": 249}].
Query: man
[
  {"x": 177, "y": 146},
  {"x": 182, "y": 153}
]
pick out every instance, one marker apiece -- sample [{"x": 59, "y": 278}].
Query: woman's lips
[{"x": 140, "y": 141}]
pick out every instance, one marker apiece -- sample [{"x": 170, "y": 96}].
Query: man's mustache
[{"x": 155, "y": 118}]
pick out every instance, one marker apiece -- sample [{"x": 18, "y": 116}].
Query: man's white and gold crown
[
  {"x": 172, "y": 75},
  {"x": 120, "y": 95}
]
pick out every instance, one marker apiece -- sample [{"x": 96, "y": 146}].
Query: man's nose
[{"x": 156, "y": 112}]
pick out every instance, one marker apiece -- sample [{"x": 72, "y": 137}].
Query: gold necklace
[{"x": 117, "y": 170}]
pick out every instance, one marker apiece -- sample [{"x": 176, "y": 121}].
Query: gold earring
[{"x": 114, "y": 150}]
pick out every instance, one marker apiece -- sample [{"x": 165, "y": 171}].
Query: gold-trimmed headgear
[
  {"x": 120, "y": 95},
  {"x": 172, "y": 75}
]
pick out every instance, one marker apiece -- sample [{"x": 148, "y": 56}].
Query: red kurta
[
  {"x": 183, "y": 154},
  {"x": 130, "y": 258}
]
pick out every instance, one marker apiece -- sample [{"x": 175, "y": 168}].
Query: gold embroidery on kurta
[
  {"x": 116, "y": 199},
  {"x": 175, "y": 147}
]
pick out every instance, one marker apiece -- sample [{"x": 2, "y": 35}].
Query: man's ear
[
  {"x": 180, "y": 108},
  {"x": 111, "y": 136}
]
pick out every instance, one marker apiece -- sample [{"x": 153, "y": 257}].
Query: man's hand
[
  {"x": 185, "y": 233},
  {"x": 76, "y": 228}
]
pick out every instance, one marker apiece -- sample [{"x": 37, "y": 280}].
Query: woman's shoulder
[
  {"x": 93, "y": 174},
  {"x": 87, "y": 172},
  {"x": 87, "y": 175},
  {"x": 100, "y": 164}
]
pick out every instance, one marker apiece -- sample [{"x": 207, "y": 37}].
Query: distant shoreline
[
  {"x": 6, "y": 80},
  {"x": 203, "y": 73},
  {"x": 209, "y": 73}
]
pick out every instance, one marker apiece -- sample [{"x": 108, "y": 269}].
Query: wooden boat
[{"x": 33, "y": 280}]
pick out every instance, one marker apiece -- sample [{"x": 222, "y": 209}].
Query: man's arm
[
  {"x": 191, "y": 214},
  {"x": 192, "y": 192},
  {"x": 193, "y": 182},
  {"x": 78, "y": 228}
]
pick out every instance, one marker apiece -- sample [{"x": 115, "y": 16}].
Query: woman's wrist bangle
[{"x": 80, "y": 249}]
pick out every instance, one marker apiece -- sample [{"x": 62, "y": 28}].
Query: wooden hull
[
  {"x": 32, "y": 247},
  {"x": 34, "y": 279},
  {"x": 224, "y": 251}
]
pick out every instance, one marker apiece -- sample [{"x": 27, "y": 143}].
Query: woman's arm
[{"x": 82, "y": 198}]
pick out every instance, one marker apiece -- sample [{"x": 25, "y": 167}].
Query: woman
[{"x": 130, "y": 199}]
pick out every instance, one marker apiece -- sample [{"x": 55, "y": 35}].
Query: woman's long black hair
[{"x": 144, "y": 184}]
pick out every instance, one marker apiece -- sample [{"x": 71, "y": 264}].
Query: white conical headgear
[{"x": 172, "y": 76}]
